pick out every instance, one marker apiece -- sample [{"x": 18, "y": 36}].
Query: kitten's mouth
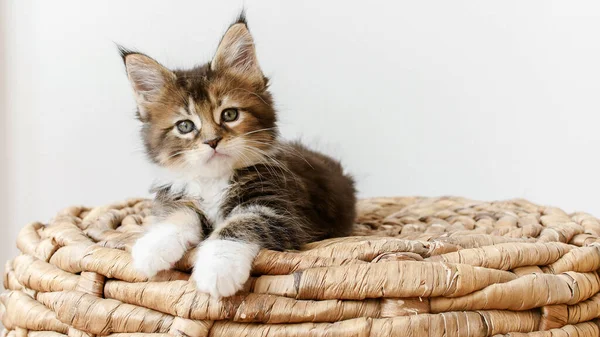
[{"x": 216, "y": 155}]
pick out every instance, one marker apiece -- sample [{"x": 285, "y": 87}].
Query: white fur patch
[
  {"x": 209, "y": 191},
  {"x": 222, "y": 267},
  {"x": 212, "y": 193},
  {"x": 158, "y": 249}
]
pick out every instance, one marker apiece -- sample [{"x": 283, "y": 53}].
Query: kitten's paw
[
  {"x": 158, "y": 249},
  {"x": 222, "y": 266}
]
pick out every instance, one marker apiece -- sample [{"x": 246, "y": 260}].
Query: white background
[{"x": 489, "y": 100}]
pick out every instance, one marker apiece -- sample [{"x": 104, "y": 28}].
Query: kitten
[{"x": 235, "y": 187}]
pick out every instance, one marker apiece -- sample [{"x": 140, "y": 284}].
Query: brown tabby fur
[{"x": 280, "y": 195}]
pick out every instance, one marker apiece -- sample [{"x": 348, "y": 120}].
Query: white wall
[
  {"x": 5, "y": 249},
  {"x": 489, "y": 100}
]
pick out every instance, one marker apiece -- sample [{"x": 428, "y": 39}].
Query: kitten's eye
[
  {"x": 185, "y": 126},
  {"x": 229, "y": 115}
]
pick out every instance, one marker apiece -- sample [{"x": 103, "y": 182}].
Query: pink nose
[{"x": 213, "y": 142}]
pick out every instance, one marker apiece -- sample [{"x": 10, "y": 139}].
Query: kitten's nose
[{"x": 213, "y": 142}]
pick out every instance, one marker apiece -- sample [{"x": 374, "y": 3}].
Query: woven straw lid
[{"x": 414, "y": 267}]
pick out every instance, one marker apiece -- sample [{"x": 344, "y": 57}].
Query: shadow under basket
[{"x": 414, "y": 267}]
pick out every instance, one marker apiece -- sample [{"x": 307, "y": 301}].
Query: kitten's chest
[{"x": 210, "y": 194}]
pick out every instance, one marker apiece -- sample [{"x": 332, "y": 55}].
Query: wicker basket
[{"x": 415, "y": 267}]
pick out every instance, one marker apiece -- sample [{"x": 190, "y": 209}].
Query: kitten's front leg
[
  {"x": 224, "y": 260},
  {"x": 165, "y": 242},
  {"x": 223, "y": 266}
]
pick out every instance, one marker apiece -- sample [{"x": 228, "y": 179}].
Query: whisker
[
  {"x": 263, "y": 154},
  {"x": 255, "y": 131},
  {"x": 180, "y": 152},
  {"x": 250, "y": 92},
  {"x": 278, "y": 164},
  {"x": 281, "y": 147}
]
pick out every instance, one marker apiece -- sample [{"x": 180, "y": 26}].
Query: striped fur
[{"x": 233, "y": 186}]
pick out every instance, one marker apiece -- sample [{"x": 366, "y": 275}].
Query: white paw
[
  {"x": 222, "y": 266},
  {"x": 158, "y": 249}
]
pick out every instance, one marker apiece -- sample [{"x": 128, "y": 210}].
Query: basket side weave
[{"x": 413, "y": 267}]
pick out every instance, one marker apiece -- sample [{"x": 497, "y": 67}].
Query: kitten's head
[{"x": 210, "y": 119}]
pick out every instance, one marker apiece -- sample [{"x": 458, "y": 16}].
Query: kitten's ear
[
  {"x": 148, "y": 79},
  {"x": 236, "y": 53}
]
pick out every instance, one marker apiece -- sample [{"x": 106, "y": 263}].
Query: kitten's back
[{"x": 329, "y": 192}]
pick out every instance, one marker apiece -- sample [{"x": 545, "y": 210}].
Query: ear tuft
[
  {"x": 124, "y": 51},
  {"x": 242, "y": 18},
  {"x": 236, "y": 53}
]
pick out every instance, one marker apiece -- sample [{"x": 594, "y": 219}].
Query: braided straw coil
[{"x": 414, "y": 267}]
